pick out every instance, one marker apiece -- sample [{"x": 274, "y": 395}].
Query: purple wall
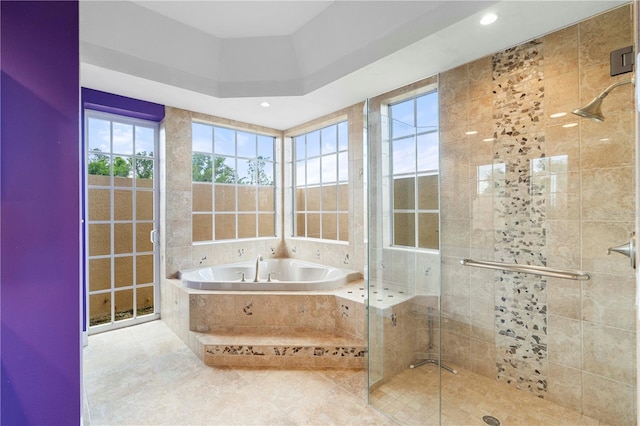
[
  {"x": 121, "y": 105},
  {"x": 40, "y": 220}
]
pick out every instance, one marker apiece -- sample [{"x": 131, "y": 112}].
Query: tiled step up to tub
[{"x": 260, "y": 347}]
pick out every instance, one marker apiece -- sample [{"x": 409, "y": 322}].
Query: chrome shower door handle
[
  {"x": 628, "y": 249},
  {"x": 153, "y": 236}
]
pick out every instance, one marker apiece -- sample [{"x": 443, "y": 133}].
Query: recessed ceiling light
[
  {"x": 471, "y": 132},
  {"x": 488, "y": 140},
  {"x": 265, "y": 104},
  {"x": 558, "y": 115},
  {"x": 489, "y": 18},
  {"x": 570, "y": 125}
]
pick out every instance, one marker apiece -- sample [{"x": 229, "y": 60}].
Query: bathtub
[{"x": 286, "y": 275}]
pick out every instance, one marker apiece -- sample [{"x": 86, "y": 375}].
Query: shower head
[{"x": 592, "y": 110}]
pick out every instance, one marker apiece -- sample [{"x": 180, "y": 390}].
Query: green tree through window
[
  {"x": 257, "y": 173},
  {"x": 203, "y": 167},
  {"x": 233, "y": 175},
  {"x": 99, "y": 164}
]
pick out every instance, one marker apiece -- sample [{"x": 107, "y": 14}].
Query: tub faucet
[{"x": 258, "y": 260}]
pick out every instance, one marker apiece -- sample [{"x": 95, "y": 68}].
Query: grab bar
[{"x": 528, "y": 269}]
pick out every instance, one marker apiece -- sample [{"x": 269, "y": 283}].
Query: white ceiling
[
  {"x": 306, "y": 58},
  {"x": 257, "y": 18}
]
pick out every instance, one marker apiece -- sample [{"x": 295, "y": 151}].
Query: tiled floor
[
  {"x": 411, "y": 398},
  {"x": 144, "y": 375}
]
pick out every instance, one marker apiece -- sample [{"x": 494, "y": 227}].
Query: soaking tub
[{"x": 273, "y": 275}]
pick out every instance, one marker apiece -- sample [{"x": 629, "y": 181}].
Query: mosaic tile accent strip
[
  {"x": 285, "y": 356},
  {"x": 519, "y": 215},
  {"x": 286, "y": 351}
]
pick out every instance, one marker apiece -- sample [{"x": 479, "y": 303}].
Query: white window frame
[
  {"x": 415, "y": 174},
  {"x": 136, "y": 319},
  {"x": 236, "y": 158},
  {"x": 342, "y": 178}
]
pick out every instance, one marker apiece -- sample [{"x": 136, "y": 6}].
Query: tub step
[{"x": 279, "y": 347}]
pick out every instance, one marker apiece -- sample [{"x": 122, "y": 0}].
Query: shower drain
[{"x": 491, "y": 421}]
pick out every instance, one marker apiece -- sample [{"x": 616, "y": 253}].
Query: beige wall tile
[
  {"x": 454, "y": 116},
  {"x": 609, "y": 145},
  {"x": 178, "y": 205},
  {"x": 482, "y": 283},
  {"x": 594, "y": 79},
  {"x": 563, "y": 145},
  {"x": 564, "y": 196},
  {"x": 455, "y": 315},
  {"x": 564, "y": 298},
  {"x": 455, "y": 277},
  {"x": 454, "y": 87},
  {"x": 565, "y": 386},
  {"x": 481, "y": 238},
  {"x": 561, "y": 95},
  {"x": 596, "y": 238},
  {"x": 608, "y": 194},
  {"x": 483, "y": 360},
  {"x": 177, "y": 259},
  {"x": 561, "y": 51},
  {"x": 607, "y": 301},
  {"x": 614, "y": 402},
  {"x": 604, "y": 33},
  {"x": 454, "y": 238},
  {"x": 480, "y": 78},
  {"x": 481, "y": 117},
  {"x": 178, "y": 233},
  {"x": 564, "y": 341},
  {"x": 563, "y": 238},
  {"x": 482, "y": 319},
  {"x": 609, "y": 352},
  {"x": 455, "y": 349}
]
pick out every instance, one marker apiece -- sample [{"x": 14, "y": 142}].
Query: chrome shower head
[{"x": 592, "y": 110}]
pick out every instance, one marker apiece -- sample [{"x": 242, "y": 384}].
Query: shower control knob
[{"x": 628, "y": 249}]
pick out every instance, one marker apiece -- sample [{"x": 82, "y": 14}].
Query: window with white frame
[
  {"x": 320, "y": 181},
  {"x": 233, "y": 184},
  {"x": 414, "y": 171},
  {"x": 121, "y": 213}
]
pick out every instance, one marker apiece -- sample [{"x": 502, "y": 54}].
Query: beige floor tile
[
  {"x": 144, "y": 375},
  {"x": 464, "y": 399}
]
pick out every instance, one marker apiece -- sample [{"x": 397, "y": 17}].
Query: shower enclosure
[{"x": 521, "y": 181}]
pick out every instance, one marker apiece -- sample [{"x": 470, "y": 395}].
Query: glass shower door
[
  {"x": 547, "y": 188},
  {"x": 403, "y": 262}
]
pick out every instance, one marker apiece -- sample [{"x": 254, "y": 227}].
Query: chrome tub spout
[{"x": 258, "y": 260}]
